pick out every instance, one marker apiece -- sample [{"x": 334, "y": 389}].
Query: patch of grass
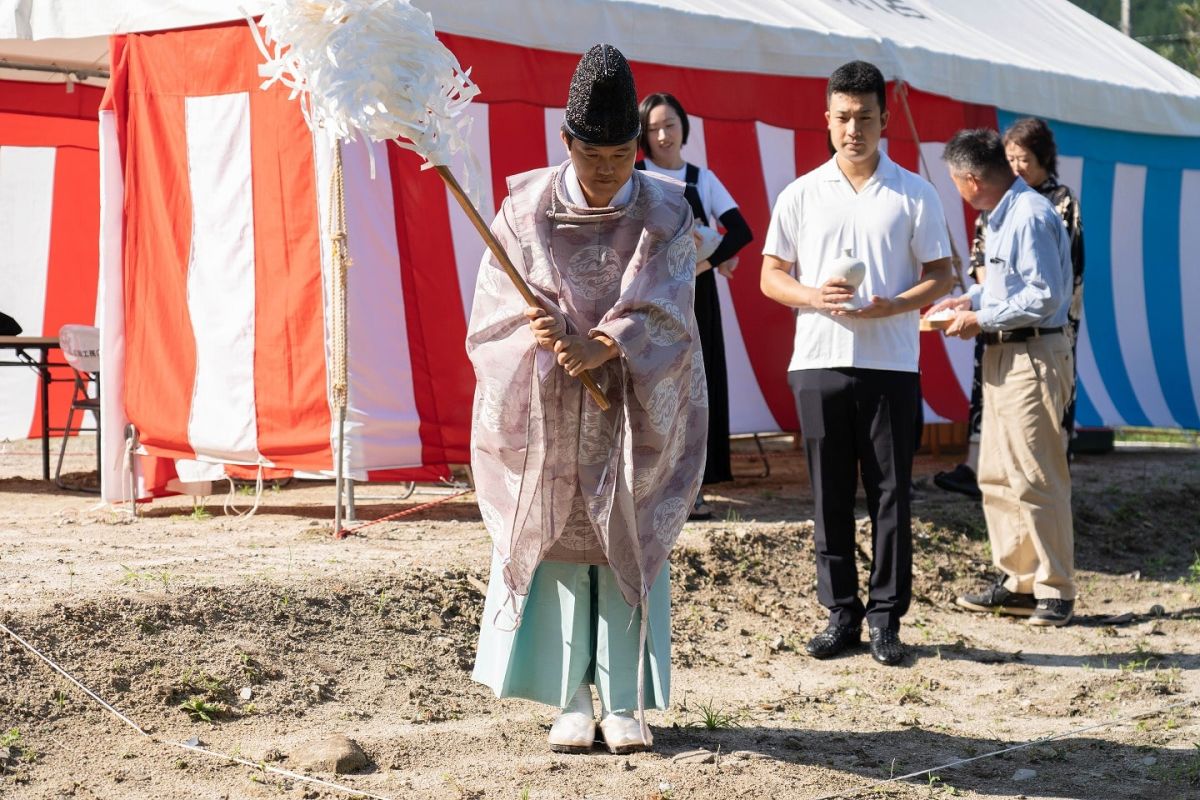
[
  {"x": 200, "y": 709},
  {"x": 250, "y": 668},
  {"x": 1156, "y": 436},
  {"x": 199, "y": 512},
  {"x": 11, "y": 741},
  {"x": 1193, "y": 573},
  {"x": 1187, "y": 771},
  {"x": 713, "y": 718}
]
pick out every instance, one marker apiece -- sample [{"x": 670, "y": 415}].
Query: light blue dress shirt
[{"x": 1028, "y": 251}]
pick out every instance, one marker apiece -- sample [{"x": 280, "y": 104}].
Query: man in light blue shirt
[
  {"x": 1028, "y": 376},
  {"x": 1028, "y": 277}
]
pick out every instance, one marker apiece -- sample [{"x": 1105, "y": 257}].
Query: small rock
[
  {"x": 700, "y": 756},
  {"x": 193, "y": 742},
  {"x": 1149, "y": 761},
  {"x": 1024, "y": 774},
  {"x": 337, "y": 754},
  {"x": 778, "y": 644},
  {"x": 852, "y": 692},
  {"x": 1157, "y": 611},
  {"x": 246, "y": 693},
  {"x": 1118, "y": 619},
  {"x": 750, "y": 755},
  {"x": 1136, "y": 575},
  {"x": 626, "y": 765},
  {"x": 664, "y": 787}
]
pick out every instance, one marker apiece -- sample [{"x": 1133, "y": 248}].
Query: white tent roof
[{"x": 1044, "y": 57}]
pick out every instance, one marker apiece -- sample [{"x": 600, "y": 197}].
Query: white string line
[
  {"x": 69, "y": 677},
  {"x": 953, "y": 764},
  {"x": 193, "y": 748}
]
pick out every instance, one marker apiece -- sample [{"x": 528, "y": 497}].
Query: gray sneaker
[{"x": 1052, "y": 612}]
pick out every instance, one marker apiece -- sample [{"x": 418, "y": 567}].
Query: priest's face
[
  {"x": 856, "y": 124},
  {"x": 602, "y": 171}
]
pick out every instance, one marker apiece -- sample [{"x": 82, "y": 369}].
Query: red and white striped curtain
[
  {"x": 49, "y": 218},
  {"x": 216, "y": 329}
]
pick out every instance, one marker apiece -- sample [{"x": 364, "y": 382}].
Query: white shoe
[
  {"x": 572, "y": 732},
  {"x": 623, "y": 734},
  {"x": 575, "y": 729}
]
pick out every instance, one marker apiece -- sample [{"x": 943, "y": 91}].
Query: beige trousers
[{"x": 1023, "y": 472}]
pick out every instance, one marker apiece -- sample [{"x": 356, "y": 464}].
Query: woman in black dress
[{"x": 664, "y": 133}]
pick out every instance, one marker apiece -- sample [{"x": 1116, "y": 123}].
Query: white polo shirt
[{"x": 894, "y": 224}]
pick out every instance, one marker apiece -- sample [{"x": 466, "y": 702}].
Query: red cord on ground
[{"x": 344, "y": 532}]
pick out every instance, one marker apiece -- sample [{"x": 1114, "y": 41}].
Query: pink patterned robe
[{"x": 555, "y": 476}]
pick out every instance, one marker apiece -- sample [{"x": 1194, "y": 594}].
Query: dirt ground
[{"x": 373, "y": 637}]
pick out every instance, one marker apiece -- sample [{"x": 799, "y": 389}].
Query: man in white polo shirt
[{"x": 855, "y": 372}]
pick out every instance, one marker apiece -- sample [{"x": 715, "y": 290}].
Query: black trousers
[
  {"x": 860, "y": 421},
  {"x": 717, "y": 466}
]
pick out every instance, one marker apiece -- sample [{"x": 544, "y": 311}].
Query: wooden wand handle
[{"x": 501, "y": 255}]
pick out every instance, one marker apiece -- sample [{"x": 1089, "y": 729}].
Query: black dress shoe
[
  {"x": 886, "y": 647},
  {"x": 961, "y": 479},
  {"x": 833, "y": 640}
]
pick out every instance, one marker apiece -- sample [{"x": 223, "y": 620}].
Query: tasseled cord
[
  {"x": 641, "y": 687},
  {"x": 230, "y": 505}
]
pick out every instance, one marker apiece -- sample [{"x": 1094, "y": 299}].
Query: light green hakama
[{"x": 575, "y": 628}]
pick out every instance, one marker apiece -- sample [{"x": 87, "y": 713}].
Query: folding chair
[{"x": 80, "y": 344}]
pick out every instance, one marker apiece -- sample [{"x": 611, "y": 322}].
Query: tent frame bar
[{"x": 80, "y": 73}]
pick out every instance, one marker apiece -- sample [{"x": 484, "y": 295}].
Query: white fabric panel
[
  {"x": 222, "y": 423},
  {"x": 382, "y": 425},
  {"x": 1088, "y": 371},
  {"x": 961, "y": 354},
  {"x": 777, "y": 151},
  {"x": 748, "y": 410},
  {"x": 191, "y": 472},
  {"x": 1129, "y": 293},
  {"x": 26, "y": 205},
  {"x": 1189, "y": 272},
  {"x": 110, "y": 316},
  {"x": 556, "y": 151},
  {"x": 468, "y": 244},
  {"x": 323, "y": 167},
  {"x": 952, "y": 203},
  {"x": 931, "y": 416},
  {"x": 1070, "y": 174},
  {"x": 696, "y": 149}
]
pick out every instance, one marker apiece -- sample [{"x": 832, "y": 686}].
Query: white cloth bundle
[{"x": 373, "y": 67}]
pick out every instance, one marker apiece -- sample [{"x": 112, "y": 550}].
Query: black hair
[
  {"x": 858, "y": 78},
  {"x": 651, "y": 102},
  {"x": 979, "y": 151},
  {"x": 1034, "y": 135}
]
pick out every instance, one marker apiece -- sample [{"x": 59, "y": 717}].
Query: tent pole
[
  {"x": 340, "y": 263},
  {"x": 337, "y": 509}
]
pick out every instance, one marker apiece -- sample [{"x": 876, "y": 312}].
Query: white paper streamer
[{"x": 371, "y": 67}]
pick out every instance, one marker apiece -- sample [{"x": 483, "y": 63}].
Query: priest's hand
[
  {"x": 965, "y": 325},
  {"x": 577, "y": 354},
  {"x": 546, "y": 329},
  {"x": 727, "y": 267}
]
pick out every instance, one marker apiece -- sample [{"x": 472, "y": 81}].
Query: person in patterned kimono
[
  {"x": 583, "y": 505},
  {"x": 1032, "y": 154}
]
